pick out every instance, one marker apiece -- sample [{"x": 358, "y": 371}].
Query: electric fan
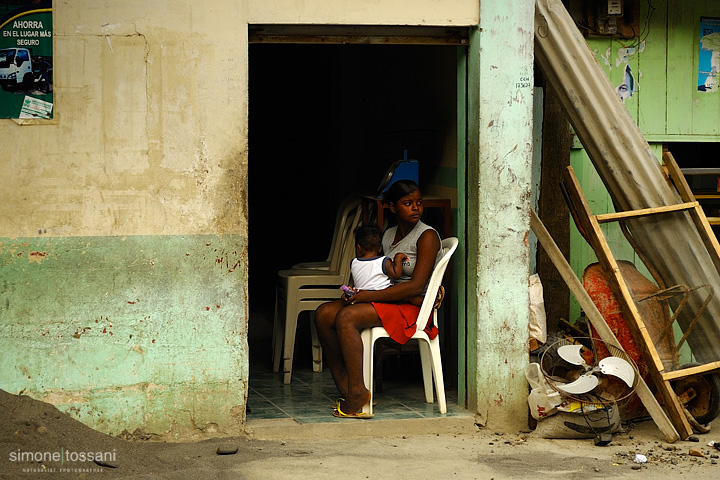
[{"x": 573, "y": 369}]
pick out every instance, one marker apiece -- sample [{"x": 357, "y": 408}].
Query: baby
[{"x": 370, "y": 270}]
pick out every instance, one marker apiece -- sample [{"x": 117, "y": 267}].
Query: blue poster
[
  {"x": 709, "y": 58},
  {"x": 26, "y": 59}
]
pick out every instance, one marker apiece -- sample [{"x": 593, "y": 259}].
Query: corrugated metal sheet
[{"x": 628, "y": 168}]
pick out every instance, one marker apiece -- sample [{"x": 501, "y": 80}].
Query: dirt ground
[{"x": 32, "y": 428}]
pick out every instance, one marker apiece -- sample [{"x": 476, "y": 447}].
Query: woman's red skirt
[{"x": 400, "y": 321}]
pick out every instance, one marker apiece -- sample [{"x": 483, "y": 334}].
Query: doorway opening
[
  {"x": 325, "y": 121},
  {"x": 697, "y": 162}
]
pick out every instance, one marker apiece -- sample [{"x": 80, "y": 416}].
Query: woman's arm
[{"x": 428, "y": 246}]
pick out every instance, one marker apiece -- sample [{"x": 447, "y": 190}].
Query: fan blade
[
  {"x": 583, "y": 384},
  {"x": 571, "y": 354},
  {"x": 618, "y": 367}
]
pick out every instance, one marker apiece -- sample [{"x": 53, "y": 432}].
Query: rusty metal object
[
  {"x": 696, "y": 393},
  {"x": 655, "y": 314}
]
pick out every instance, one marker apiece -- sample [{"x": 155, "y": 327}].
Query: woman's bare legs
[
  {"x": 339, "y": 330},
  {"x": 327, "y": 333},
  {"x": 349, "y": 322}
]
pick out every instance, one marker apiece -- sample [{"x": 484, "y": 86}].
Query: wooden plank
[
  {"x": 582, "y": 252},
  {"x": 700, "y": 171},
  {"x": 598, "y": 322},
  {"x": 677, "y": 177},
  {"x": 613, "y": 217},
  {"x": 697, "y": 214},
  {"x": 355, "y": 39},
  {"x": 690, "y": 371},
  {"x": 708, "y": 236},
  {"x": 595, "y": 237},
  {"x": 358, "y": 34}
]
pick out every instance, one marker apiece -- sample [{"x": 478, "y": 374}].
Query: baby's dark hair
[
  {"x": 400, "y": 189},
  {"x": 369, "y": 237}
]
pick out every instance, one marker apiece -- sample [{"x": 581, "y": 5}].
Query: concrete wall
[
  {"x": 500, "y": 142},
  {"x": 124, "y": 225},
  {"x": 364, "y": 12},
  {"x": 123, "y": 232}
]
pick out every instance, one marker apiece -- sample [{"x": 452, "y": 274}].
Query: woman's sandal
[
  {"x": 439, "y": 297},
  {"x": 374, "y": 402},
  {"x": 340, "y": 414}
]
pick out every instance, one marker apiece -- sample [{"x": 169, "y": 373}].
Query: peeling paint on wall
[
  {"x": 124, "y": 331},
  {"x": 36, "y": 257},
  {"x": 498, "y": 209}
]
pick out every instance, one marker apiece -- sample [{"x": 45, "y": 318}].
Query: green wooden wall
[
  {"x": 667, "y": 104},
  {"x": 689, "y": 112}
]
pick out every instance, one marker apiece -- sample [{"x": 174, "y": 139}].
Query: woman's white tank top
[{"x": 408, "y": 246}]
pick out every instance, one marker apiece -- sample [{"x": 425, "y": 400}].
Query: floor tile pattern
[{"x": 311, "y": 397}]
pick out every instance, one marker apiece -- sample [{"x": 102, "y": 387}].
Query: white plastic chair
[
  {"x": 349, "y": 204},
  {"x": 299, "y": 290},
  {"x": 311, "y": 306},
  {"x": 345, "y": 213},
  {"x": 429, "y": 349}
]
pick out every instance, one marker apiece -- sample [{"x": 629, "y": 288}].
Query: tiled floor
[{"x": 311, "y": 397}]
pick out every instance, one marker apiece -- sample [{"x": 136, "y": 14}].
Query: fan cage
[{"x": 554, "y": 368}]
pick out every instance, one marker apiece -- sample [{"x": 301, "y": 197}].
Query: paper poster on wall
[
  {"x": 709, "y": 58},
  {"x": 26, "y": 59}
]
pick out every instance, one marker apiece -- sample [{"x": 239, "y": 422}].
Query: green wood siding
[
  {"x": 667, "y": 105},
  {"x": 689, "y": 112},
  {"x": 664, "y": 60}
]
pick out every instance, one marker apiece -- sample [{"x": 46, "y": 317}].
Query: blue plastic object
[{"x": 400, "y": 170}]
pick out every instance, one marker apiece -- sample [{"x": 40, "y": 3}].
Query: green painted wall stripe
[{"x": 120, "y": 320}]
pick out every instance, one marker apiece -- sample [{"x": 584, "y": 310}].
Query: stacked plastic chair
[{"x": 304, "y": 289}]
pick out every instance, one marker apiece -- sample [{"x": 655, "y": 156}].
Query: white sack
[
  {"x": 543, "y": 399},
  {"x": 538, "y": 319}
]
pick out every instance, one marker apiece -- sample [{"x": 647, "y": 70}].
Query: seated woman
[{"x": 340, "y": 322}]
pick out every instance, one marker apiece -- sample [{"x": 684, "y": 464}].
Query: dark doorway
[
  {"x": 698, "y": 162},
  {"x": 325, "y": 121}
]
